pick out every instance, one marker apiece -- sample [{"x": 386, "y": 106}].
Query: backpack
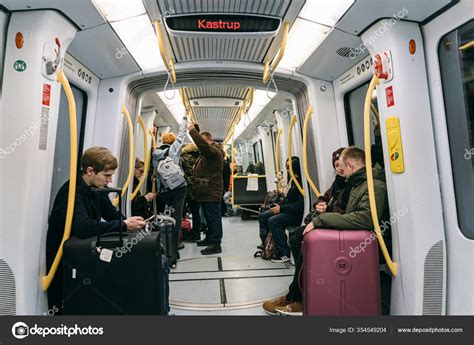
[
  {"x": 269, "y": 248},
  {"x": 169, "y": 173}
]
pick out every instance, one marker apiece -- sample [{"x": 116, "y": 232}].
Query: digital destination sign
[{"x": 223, "y": 23}]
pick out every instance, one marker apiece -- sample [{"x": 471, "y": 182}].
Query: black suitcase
[
  {"x": 169, "y": 239},
  {"x": 133, "y": 282}
]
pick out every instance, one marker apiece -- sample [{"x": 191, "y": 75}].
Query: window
[
  {"x": 456, "y": 55},
  {"x": 354, "y": 105},
  {"x": 258, "y": 154},
  {"x": 61, "y": 151}
]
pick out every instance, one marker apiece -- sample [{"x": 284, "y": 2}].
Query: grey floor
[{"x": 230, "y": 283}]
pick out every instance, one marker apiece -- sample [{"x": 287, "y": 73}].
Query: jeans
[
  {"x": 212, "y": 213},
  {"x": 175, "y": 199},
  {"x": 195, "y": 208},
  {"x": 294, "y": 293},
  {"x": 277, "y": 223}
]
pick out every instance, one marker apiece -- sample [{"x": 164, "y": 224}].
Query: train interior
[{"x": 294, "y": 82}]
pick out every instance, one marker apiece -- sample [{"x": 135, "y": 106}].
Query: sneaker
[
  {"x": 269, "y": 306},
  {"x": 292, "y": 309},
  {"x": 261, "y": 247},
  {"x": 203, "y": 243},
  {"x": 212, "y": 249},
  {"x": 180, "y": 245},
  {"x": 281, "y": 259}
]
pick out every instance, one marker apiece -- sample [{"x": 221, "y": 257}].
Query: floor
[{"x": 230, "y": 283}]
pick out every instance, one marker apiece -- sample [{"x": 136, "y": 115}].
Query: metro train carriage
[{"x": 231, "y": 157}]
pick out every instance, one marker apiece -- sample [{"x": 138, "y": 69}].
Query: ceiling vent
[{"x": 347, "y": 52}]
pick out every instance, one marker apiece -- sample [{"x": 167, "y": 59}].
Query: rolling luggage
[
  {"x": 169, "y": 239},
  {"x": 115, "y": 273},
  {"x": 340, "y": 274}
]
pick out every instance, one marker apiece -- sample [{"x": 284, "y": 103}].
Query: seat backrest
[{"x": 244, "y": 197}]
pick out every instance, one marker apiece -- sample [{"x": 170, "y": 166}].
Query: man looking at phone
[{"x": 97, "y": 167}]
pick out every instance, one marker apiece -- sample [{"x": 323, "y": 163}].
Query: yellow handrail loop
[
  {"x": 370, "y": 179},
  {"x": 270, "y": 68},
  {"x": 146, "y": 153},
  {"x": 305, "y": 158},
  {"x": 169, "y": 63},
  {"x": 290, "y": 162},
  {"x": 61, "y": 77}
]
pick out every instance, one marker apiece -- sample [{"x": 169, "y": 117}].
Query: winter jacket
[
  {"x": 173, "y": 149},
  {"x": 358, "y": 216},
  {"x": 189, "y": 156},
  {"x": 84, "y": 220},
  {"x": 293, "y": 202},
  {"x": 140, "y": 206},
  {"x": 208, "y": 171}
]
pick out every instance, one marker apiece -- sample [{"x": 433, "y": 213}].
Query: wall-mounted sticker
[
  {"x": 19, "y": 65},
  {"x": 389, "y": 96},
  {"x": 46, "y": 94}
]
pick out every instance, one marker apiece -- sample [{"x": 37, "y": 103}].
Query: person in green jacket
[
  {"x": 356, "y": 217},
  {"x": 357, "y": 214}
]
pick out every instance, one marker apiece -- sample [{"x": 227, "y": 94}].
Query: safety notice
[
  {"x": 389, "y": 96},
  {"x": 46, "y": 94}
]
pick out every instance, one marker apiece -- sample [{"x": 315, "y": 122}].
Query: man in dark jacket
[
  {"x": 288, "y": 212},
  {"x": 141, "y": 203},
  {"x": 189, "y": 156},
  {"x": 97, "y": 167},
  {"x": 208, "y": 185}
]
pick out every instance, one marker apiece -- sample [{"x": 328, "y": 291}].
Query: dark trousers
[
  {"x": 212, "y": 213},
  {"x": 277, "y": 223},
  {"x": 294, "y": 293},
  {"x": 195, "y": 208},
  {"x": 174, "y": 199}
]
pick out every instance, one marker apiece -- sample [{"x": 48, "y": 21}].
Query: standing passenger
[
  {"x": 141, "y": 203},
  {"x": 209, "y": 184},
  {"x": 174, "y": 198}
]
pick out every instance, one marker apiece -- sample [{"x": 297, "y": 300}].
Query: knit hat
[{"x": 335, "y": 156}]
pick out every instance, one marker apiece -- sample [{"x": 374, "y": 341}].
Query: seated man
[
  {"x": 356, "y": 217},
  {"x": 286, "y": 213},
  {"x": 97, "y": 167}
]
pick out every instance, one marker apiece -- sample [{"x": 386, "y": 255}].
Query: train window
[
  {"x": 258, "y": 154},
  {"x": 354, "y": 108},
  {"x": 61, "y": 151},
  {"x": 456, "y": 55}
]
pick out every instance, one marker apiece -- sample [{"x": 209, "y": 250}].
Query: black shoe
[
  {"x": 180, "y": 245},
  {"x": 212, "y": 249},
  {"x": 203, "y": 243},
  {"x": 261, "y": 247}
]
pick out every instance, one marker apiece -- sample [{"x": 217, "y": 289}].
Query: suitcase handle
[{"x": 108, "y": 190}]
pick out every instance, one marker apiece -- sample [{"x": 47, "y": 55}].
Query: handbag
[{"x": 269, "y": 248}]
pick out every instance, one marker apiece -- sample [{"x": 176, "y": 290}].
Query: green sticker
[{"x": 19, "y": 65}]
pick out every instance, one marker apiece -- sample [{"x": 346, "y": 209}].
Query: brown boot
[{"x": 269, "y": 306}]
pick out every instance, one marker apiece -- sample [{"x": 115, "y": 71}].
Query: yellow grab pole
[
  {"x": 305, "y": 158},
  {"x": 370, "y": 178},
  {"x": 277, "y": 160},
  {"x": 46, "y": 280},
  {"x": 290, "y": 163},
  {"x": 269, "y": 69},
  {"x": 146, "y": 158},
  {"x": 131, "y": 160},
  {"x": 153, "y": 140}
]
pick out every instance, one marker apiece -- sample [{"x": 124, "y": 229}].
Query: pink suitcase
[{"x": 340, "y": 274}]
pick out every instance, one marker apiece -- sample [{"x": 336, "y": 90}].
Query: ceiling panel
[
  {"x": 215, "y": 120},
  {"x": 216, "y": 48},
  {"x": 102, "y": 52},
  {"x": 265, "y": 7},
  {"x": 334, "y": 56},
  {"x": 221, "y": 91},
  {"x": 365, "y": 12},
  {"x": 82, "y": 13}
]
